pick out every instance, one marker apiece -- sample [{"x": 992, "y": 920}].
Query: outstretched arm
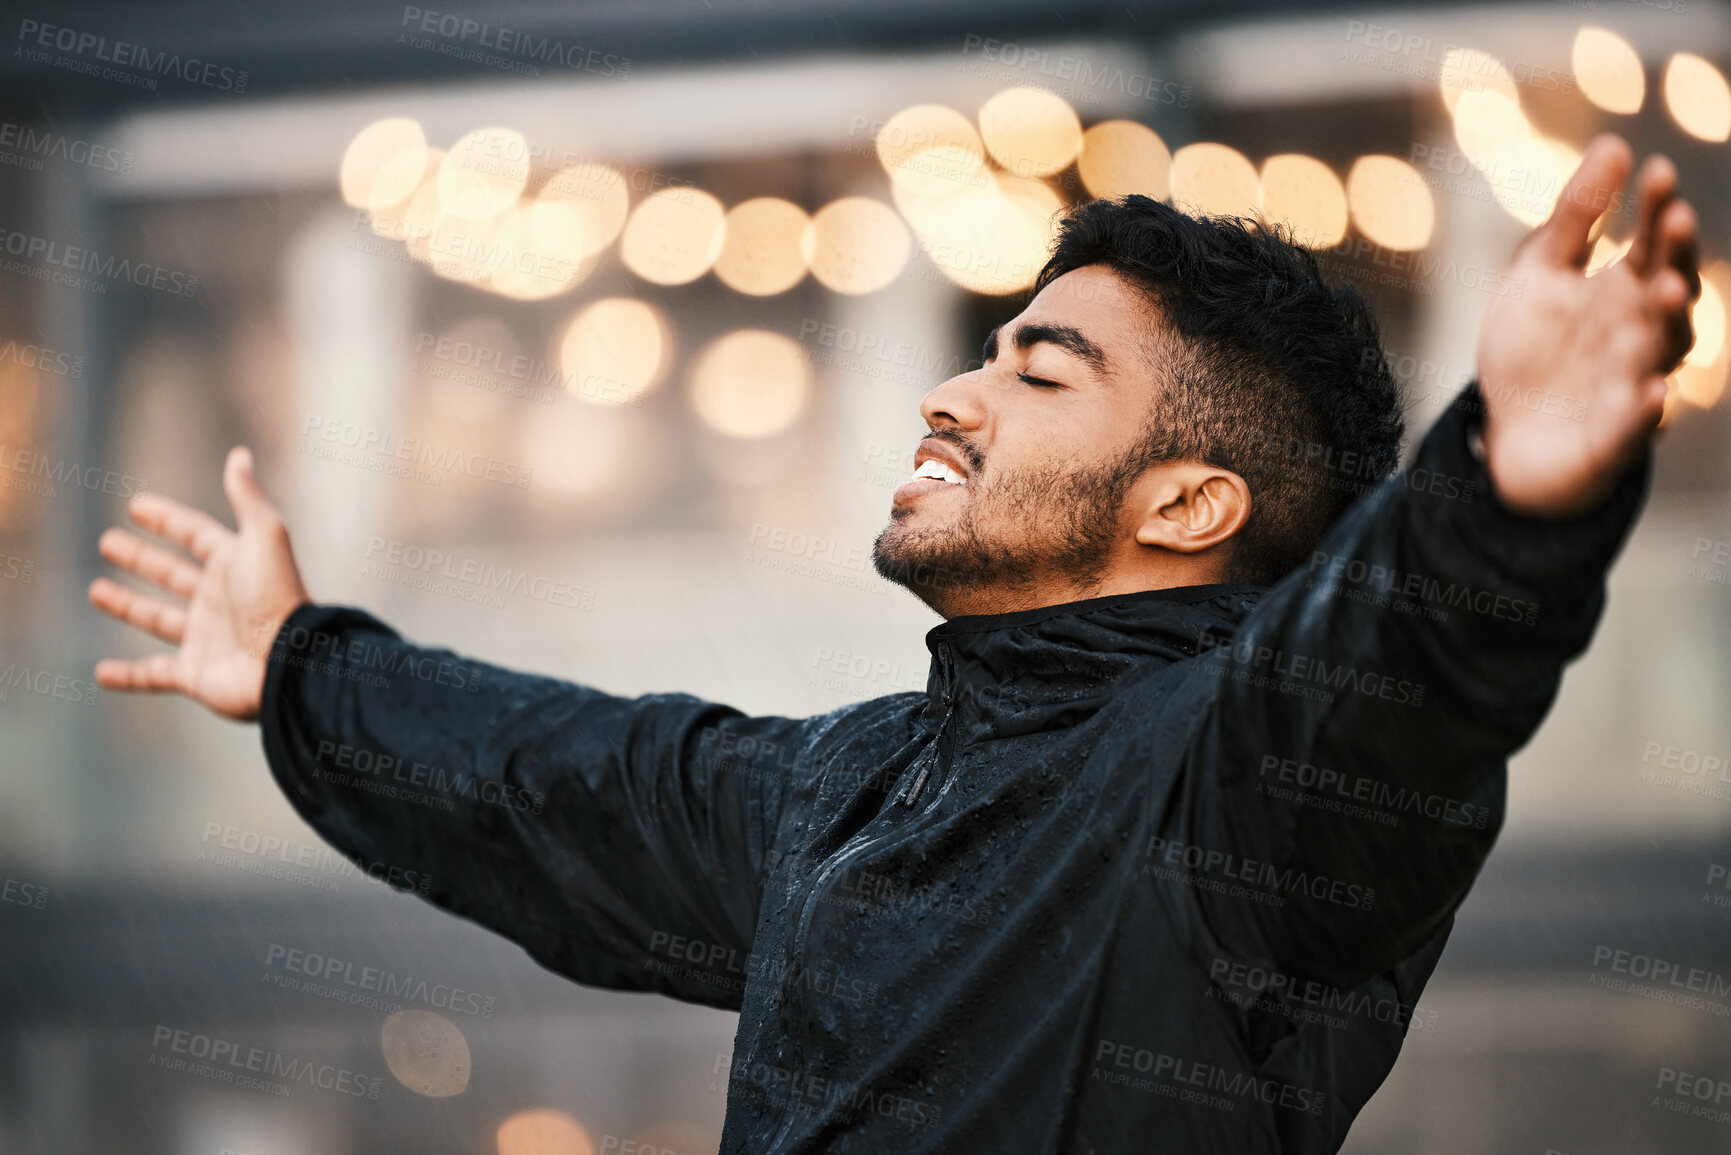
[
  {"x": 1351, "y": 755},
  {"x": 621, "y": 841}
]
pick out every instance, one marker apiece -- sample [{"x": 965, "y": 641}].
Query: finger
[
  {"x": 244, "y": 495},
  {"x": 1667, "y": 300},
  {"x": 1679, "y": 244},
  {"x": 152, "y": 563},
  {"x": 1562, "y": 240},
  {"x": 193, "y": 529},
  {"x": 1654, "y": 189},
  {"x": 155, "y": 674},
  {"x": 154, "y": 617}
]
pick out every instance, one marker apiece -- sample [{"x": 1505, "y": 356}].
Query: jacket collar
[{"x": 1040, "y": 669}]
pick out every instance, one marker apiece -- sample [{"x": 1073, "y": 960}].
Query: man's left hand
[{"x": 1596, "y": 350}]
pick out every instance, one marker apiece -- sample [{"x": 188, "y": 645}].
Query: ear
[{"x": 1190, "y": 506}]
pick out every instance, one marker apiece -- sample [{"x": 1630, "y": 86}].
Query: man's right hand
[{"x": 240, "y": 589}]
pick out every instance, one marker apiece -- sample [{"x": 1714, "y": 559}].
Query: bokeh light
[
  {"x": 674, "y": 236},
  {"x": 1120, "y": 157},
  {"x": 856, "y": 245},
  {"x": 427, "y": 1053},
  {"x": 592, "y": 196},
  {"x": 420, "y": 213},
  {"x": 1390, "y": 202},
  {"x": 750, "y": 383},
  {"x": 614, "y": 351},
  {"x": 1526, "y": 172},
  {"x": 383, "y": 164},
  {"x": 1486, "y": 124},
  {"x": 540, "y": 253},
  {"x": 463, "y": 249},
  {"x": 991, "y": 240},
  {"x": 1707, "y": 316},
  {"x": 930, "y": 149},
  {"x": 1304, "y": 194},
  {"x": 1030, "y": 131},
  {"x": 1469, "y": 70},
  {"x": 1608, "y": 70},
  {"x": 763, "y": 253},
  {"x": 1698, "y": 97},
  {"x": 543, "y": 1131},
  {"x": 1214, "y": 180},
  {"x": 392, "y": 221},
  {"x": 1606, "y": 253},
  {"x": 483, "y": 173}
]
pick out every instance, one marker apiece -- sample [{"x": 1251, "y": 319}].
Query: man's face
[{"x": 1033, "y": 450}]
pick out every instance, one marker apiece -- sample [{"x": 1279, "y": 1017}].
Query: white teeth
[{"x": 937, "y": 469}]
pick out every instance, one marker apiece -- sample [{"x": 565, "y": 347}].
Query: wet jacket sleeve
[
  {"x": 618, "y": 840},
  {"x": 1351, "y": 757}
]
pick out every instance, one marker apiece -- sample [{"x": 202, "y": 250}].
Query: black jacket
[{"x": 1164, "y": 871}]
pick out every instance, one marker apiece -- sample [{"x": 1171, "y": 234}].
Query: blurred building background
[{"x": 589, "y": 339}]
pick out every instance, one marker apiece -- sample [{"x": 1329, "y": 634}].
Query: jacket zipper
[{"x": 862, "y": 841}]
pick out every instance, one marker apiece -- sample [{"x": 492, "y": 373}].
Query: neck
[{"x": 1170, "y": 572}]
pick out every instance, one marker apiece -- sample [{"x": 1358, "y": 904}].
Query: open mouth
[{"x": 936, "y": 469}]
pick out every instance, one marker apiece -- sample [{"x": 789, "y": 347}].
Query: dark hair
[{"x": 1268, "y": 371}]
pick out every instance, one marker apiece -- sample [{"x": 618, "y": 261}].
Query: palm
[
  {"x": 239, "y": 588},
  {"x": 1572, "y": 369}
]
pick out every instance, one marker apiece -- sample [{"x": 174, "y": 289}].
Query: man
[{"x": 1164, "y": 856}]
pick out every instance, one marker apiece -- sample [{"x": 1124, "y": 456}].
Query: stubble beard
[{"x": 1014, "y": 533}]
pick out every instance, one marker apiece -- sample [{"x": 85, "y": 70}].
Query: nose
[{"x": 958, "y": 403}]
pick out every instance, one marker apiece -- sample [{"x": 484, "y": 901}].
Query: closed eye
[{"x": 1029, "y": 379}]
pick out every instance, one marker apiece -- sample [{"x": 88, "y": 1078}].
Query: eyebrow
[{"x": 1065, "y": 337}]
